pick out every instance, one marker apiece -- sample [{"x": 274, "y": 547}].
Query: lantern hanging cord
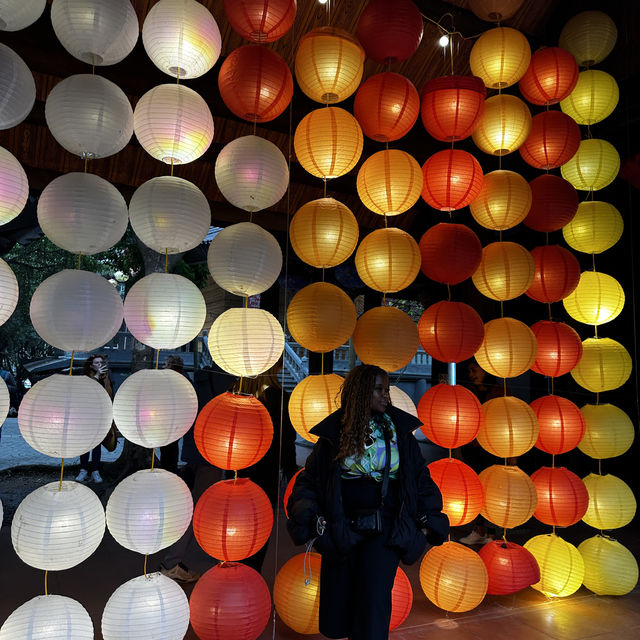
[
  {"x": 153, "y": 458},
  {"x": 553, "y": 461},
  {"x": 448, "y": 292},
  {"x": 551, "y": 386},
  {"x": 178, "y": 75},
  {"x": 593, "y": 261},
  {"x": 157, "y": 357},
  {"x": 171, "y": 166},
  {"x": 597, "y": 398},
  {"x": 324, "y": 190},
  {"x": 445, "y": 31},
  {"x": 322, "y": 364},
  {"x": 61, "y": 473},
  {"x": 79, "y": 259},
  {"x": 235, "y": 476},
  {"x": 86, "y": 160},
  {"x": 599, "y": 466},
  {"x": 73, "y": 353},
  {"x": 46, "y": 589},
  {"x": 549, "y": 305},
  {"x": 145, "y": 566}
]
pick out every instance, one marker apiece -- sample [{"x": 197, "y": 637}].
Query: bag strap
[{"x": 387, "y": 463}]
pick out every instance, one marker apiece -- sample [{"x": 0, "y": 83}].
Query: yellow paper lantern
[
  {"x": 611, "y": 502},
  {"x": 504, "y": 125},
  {"x": 608, "y": 433},
  {"x": 510, "y": 497},
  {"x": 596, "y": 227},
  {"x": 605, "y": 365},
  {"x": 402, "y": 400},
  {"x": 597, "y": 299},
  {"x": 328, "y": 142},
  {"x": 390, "y": 182},
  {"x": 510, "y": 427},
  {"x": 594, "y": 97},
  {"x": 609, "y": 568},
  {"x": 595, "y": 165},
  {"x": 589, "y": 36},
  {"x": 388, "y": 260},
  {"x": 500, "y": 57},
  {"x": 494, "y": 10},
  {"x": 312, "y": 400}
]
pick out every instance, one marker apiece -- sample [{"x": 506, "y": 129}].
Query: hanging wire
[{"x": 61, "y": 473}]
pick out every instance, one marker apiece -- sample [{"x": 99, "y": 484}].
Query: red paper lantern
[
  {"x": 386, "y": 106},
  {"x": 401, "y": 599},
  {"x": 551, "y": 76},
  {"x": 554, "y": 203},
  {"x": 557, "y": 273},
  {"x": 561, "y": 424},
  {"x": 255, "y": 83},
  {"x": 452, "y": 179},
  {"x": 559, "y": 348},
  {"x": 553, "y": 140},
  {"x": 260, "y": 20},
  {"x": 441, "y": 242},
  {"x": 450, "y": 414},
  {"x": 562, "y": 496},
  {"x": 510, "y": 567},
  {"x": 450, "y": 331},
  {"x": 452, "y": 106},
  {"x": 289, "y": 490},
  {"x": 230, "y": 601},
  {"x": 390, "y": 31}
]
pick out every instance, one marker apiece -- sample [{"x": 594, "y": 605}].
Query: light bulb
[{"x": 444, "y": 41}]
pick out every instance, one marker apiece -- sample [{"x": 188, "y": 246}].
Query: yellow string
[
  {"x": 153, "y": 458},
  {"x": 145, "y": 565},
  {"x": 171, "y": 170},
  {"x": 61, "y": 472},
  {"x": 73, "y": 353},
  {"x": 240, "y": 385},
  {"x": 553, "y": 461},
  {"x": 235, "y": 475},
  {"x": 86, "y": 160},
  {"x": 46, "y": 589},
  {"x": 157, "y": 357},
  {"x": 324, "y": 187},
  {"x": 79, "y": 259},
  {"x": 322, "y": 364}
]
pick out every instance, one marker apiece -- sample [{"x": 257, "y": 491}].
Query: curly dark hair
[
  {"x": 86, "y": 367},
  {"x": 355, "y": 398}
]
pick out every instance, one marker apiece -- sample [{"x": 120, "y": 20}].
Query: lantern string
[
  {"x": 177, "y": 75},
  {"x": 322, "y": 364},
  {"x": 599, "y": 466},
  {"x": 449, "y": 453},
  {"x": 46, "y": 589},
  {"x": 86, "y": 160},
  {"x": 595, "y": 330},
  {"x": 322, "y": 274},
  {"x": 73, "y": 353},
  {"x": 235, "y": 476},
  {"x": 166, "y": 259},
  {"x": 597, "y": 398},
  {"x": 171, "y": 166},
  {"x": 153, "y": 458},
  {"x": 504, "y": 385},
  {"x": 61, "y": 473},
  {"x": 451, "y": 57},
  {"x": 79, "y": 259},
  {"x": 448, "y": 292},
  {"x": 553, "y": 530},
  {"x": 593, "y": 261},
  {"x": 501, "y": 308},
  {"x": 145, "y": 565},
  {"x": 549, "y": 305},
  {"x": 385, "y": 220},
  {"x": 552, "y": 391},
  {"x": 157, "y": 357},
  {"x": 240, "y": 386},
  {"x": 553, "y": 460},
  {"x": 546, "y": 238}
]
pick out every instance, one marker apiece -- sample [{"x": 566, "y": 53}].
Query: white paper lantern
[
  {"x": 17, "y": 88},
  {"x": 151, "y": 606},
  {"x": 252, "y": 173},
  {"x": 402, "y": 400},
  {"x": 14, "y": 187},
  {"x": 96, "y": 32},
  {"x": 5, "y": 403},
  {"x": 154, "y": 407},
  {"x": 173, "y": 124},
  {"x": 164, "y": 310},
  {"x": 9, "y": 291},
  {"x": 244, "y": 259},
  {"x": 48, "y": 617},
  {"x": 82, "y": 213},
  {"x": 64, "y": 416},
  {"x": 170, "y": 214},
  {"x": 76, "y": 310},
  {"x": 18, "y": 14},
  {"x": 149, "y": 510},
  {"x": 182, "y": 38},
  {"x": 246, "y": 342},
  {"x": 89, "y": 116},
  {"x": 56, "y": 529}
]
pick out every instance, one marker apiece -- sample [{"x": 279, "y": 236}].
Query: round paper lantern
[
  {"x": 605, "y": 365},
  {"x": 98, "y": 33},
  {"x": 50, "y": 615},
  {"x": 388, "y": 260},
  {"x": 509, "y": 348},
  {"x": 504, "y": 200},
  {"x": 8, "y": 292},
  {"x": 494, "y": 10},
  {"x": 321, "y": 317},
  {"x": 509, "y": 428},
  {"x": 245, "y": 342},
  {"x": 89, "y": 116},
  {"x": 144, "y": 605},
  {"x": 328, "y": 142},
  {"x": 76, "y": 310},
  {"x": 551, "y": 76},
  {"x": 149, "y": 510},
  {"x": 390, "y": 33},
  {"x": 562, "y": 496},
  {"x": 557, "y": 273},
  {"x": 451, "y": 106},
  {"x": 504, "y": 125},
  {"x": 244, "y": 259},
  {"x": 323, "y": 233},
  {"x": 182, "y": 38},
  {"x": 386, "y": 337},
  {"x": 154, "y": 407},
  {"x": 554, "y": 203},
  {"x": 609, "y": 568},
  {"x": 453, "y": 577},
  {"x": 289, "y": 490},
  {"x": 594, "y": 166},
  {"x": 312, "y": 400},
  {"x": 553, "y": 140},
  {"x": 65, "y": 416},
  {"x": 446, "y": 239},
  {"x": 164, "y": 310},
  {"x": 386, "y": 106},
  {"x": 589, "y": 36},
  {"x": 233, "y": 431},
  {"x": 318, "y": 74},
  {"x": 608, "y": 433},
  {"x": 402, "y": 400},
  {"x": 57, "y": 526},
  {"x": 500, "y": 57},
  {"x": 18, "y": 88},
  {"x": 559, "y": 348},
  {"x": 5, "y": 403},
  {"x": 452, "y": 179},
  {"x": 611, "y": 502},
  {"x": 230, "y": 600},
  {"x": 297, "y": 602},
  {"x": 461, "y": 489},
  {"x": 260, "y": 20},
  {"x": 509, "y": 496},
  {"x": 594, "y": 98},
  {"x": 14, "y": 187},
  {"x": 561, "y": 565},
  {"x": 16, "y": 14},
  {"x": 450, "y": 331},
  {"x": 510, "y": 567},
  {"x": 561, "y": 423},
  {"x": 389, "y": 182},
  {"x": 597, "y": 299},
  {"x": 401, "y": 599},
  {"x": 596, "y": 227},
  {"x": 450, "y": 414},
  {"x": 169, "y": 214},
  {"x": 173, "y": 124}
]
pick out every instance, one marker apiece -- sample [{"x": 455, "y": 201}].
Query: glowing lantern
[
  {"x": 16, "y": 14},
  {"x": 594, "y": 98},
  {"x": 389, "y": 182},
  {"x": 312, "y": 400},
  {"x": 589, "y": 36},
  {"x": 551, "y": 76},
  {"x": 609, "y": 431},
  {"x": 510, "y": 567},
  {"x": 557, "y": 273},
  {"x": 14, "y": 187},
  {"x": 509, "y": 428},
  {"x": 260, "y": 21},
  {"x": 504, "y": 125},
  {"x": 461, "y": 489},
  {"x": 452, "y": 106},
  {"x": 453, "y": 577},
  {"x": 17, "y": 86},
  {"x": 450, "y": 414},
  {"x": 289, "y": 490},
  {"x": 402, "y": 400},
  {"x": 605, "y": 365},
  {"x": 401, "y": 599},
  {"x": 596, "y": 227},
  {"x": 561, "y": 423},
  {"x": 553, "y": 205},
  {"x": 594, "y": 166},
  {"x": 509, "y": 496},
  {"x": 553, "y": 140},
  {"x": 494, "y": 10},
  {"x": 328, "y": 142},
  {"x": 5, "y": 403},
  {"x": 609, "y": 568},
  {"x": 597, "y": 299},
  {"x": 562, "y": 496},
  {"x": 8, "y": 291},
  {"x": 611, "y": 502}
]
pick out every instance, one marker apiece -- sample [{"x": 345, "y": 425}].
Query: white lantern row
[{"x": 17, "y": 88}]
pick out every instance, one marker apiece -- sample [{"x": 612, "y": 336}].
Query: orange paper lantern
[
  {"x": 551, "y": 76},
  {"x": 289, "y": 490},
  {"x": 312, "y": 400},
  {"x": 561, "y": 424},
  {"x": 562, "y": 496},
  {"x": 504, "y": 125},
  {"x": 557, "y": 273},
  {"x": 401, "y": 599},
  {"x": 260, "y": 20},
  {"x": 509, "y": 496},
  {"x": 559, "y": 348},
  {"x": 510, "y": 567},
  {"x": 554, "y": 203},
  {"x": 553, "y": 140}
]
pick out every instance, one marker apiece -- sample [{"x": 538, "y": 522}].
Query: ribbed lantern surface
[
  {"x": 605, "y": 365},
  {"x": 503, "y": 126},
  {"x": 9, "y": 291},
  {"x": 494, "y": 10},
  {"x": 17, "y": 88},
  {"x": 598, "y": 298},
  {"x": 561, "y": 565},
  {"x": 590, "y": 36},
  {"x": 14, "y": 187},
  {"x": 594, "y": 166},
  {"x": 608, "y": 433},
  {"x": 510, "y": 496},
  {"x": 593, "y": 99},
  {"x": 312, "y": 400},
  {"x": 260, "y": 20},
  {"x": 554, "y": 202},
  {"x": 551, "y": 76},
  {"x": 562, "y": 496},
  {"x": 553, "y": 140},
  {"x": 611, "y": 502},
  {"x": 609, "y": 568},
  {"x": 510, "y": 567},
  {"x": 16, "y": 14},
  {"x": 557, "y": 273},
  {"x": 559, "y": 348},
  {"x": 596, "y": 227}
]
